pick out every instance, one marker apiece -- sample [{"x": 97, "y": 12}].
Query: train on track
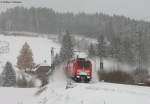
[{"x": 79, "y": 69}]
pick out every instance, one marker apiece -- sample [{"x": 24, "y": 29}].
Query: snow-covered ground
[
  {"x": 16, "y": 95},
  {"x": 97, "y": 93},
  {"x": 81, "y": 93},
  {"x": 55, "y": 92}
]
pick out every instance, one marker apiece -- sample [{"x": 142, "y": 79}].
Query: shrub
[
  {"x": 22, "y": 82},
  {"x": 25, "y": 81},
  {"x": 116, "y": 76},
  {"x": 140, "y": 76}
]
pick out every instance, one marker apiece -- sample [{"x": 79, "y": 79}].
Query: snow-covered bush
[
  {"x": 31, "y": 83},
  {"x": 21, "y": 80},
  {"x": 25, "y": 80}
]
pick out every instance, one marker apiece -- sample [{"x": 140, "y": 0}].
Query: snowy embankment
[{"x": 97, "y": 93}]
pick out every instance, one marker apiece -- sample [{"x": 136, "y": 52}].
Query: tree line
[
  {"x": 124, "y": 49},
  {"x": 44, "y": 20}
]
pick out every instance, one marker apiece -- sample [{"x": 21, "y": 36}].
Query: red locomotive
[{"x": 79, "y": 69}]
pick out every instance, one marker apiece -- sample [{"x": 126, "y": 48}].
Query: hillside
[
  {"x": 40, "y": 46},
  {"x": 45, "y": 20}
]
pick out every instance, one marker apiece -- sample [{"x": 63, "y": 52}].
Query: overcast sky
[{"x": 138, "y": 9}]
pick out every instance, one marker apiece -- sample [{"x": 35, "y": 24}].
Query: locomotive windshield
[
  {"x": 83, "y": 64},
  {"x": 87, "y": 64}
]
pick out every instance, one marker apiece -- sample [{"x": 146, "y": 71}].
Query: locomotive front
[{"x": 80, "y": 70}]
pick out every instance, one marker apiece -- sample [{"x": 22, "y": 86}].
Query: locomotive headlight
[
  {"x": 78, "y": 76},
  {"x": 88, "y": 77}
]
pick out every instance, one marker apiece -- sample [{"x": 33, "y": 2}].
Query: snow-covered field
[
  {"x": 56, "y": 92},
  {"x": 16, "y": 95}
]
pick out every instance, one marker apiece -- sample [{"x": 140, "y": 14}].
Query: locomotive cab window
[
  {"x": 81, "y": 64},
  {"x": 87, "y": 64}
]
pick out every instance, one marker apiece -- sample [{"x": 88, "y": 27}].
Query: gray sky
[{"x": 138, "y": 9}]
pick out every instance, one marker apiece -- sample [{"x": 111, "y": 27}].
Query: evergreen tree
[
  {"x": 116, "y": 48},
  {"x": 8, "y": 76},
  {"x": 108, "y": 30},
  {"x": 91, "y": 51},
  {"x": 66, "y": 51},
  {"x": 101, "y": 48},
  {"x": 127, "y": 51},
  {"x": 142, "y": 54},
  {"x": 1, "y": 80},
  {"x": 25, "y": 59}
]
